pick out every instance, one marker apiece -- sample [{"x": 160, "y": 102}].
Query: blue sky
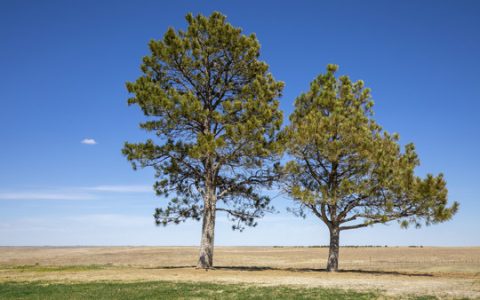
[{"x": 63, "y": 68}]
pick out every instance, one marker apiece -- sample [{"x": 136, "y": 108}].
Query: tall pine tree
[
  {"x": 349, "y": 172},
  {"x": 213, "y": 106}
]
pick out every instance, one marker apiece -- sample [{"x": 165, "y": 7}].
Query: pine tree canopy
[
  {"x": 347, "y": 170},
  {"x": 213, "y": 106}
]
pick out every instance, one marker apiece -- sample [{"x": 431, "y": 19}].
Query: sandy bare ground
[{"x": 443, "y": 272}]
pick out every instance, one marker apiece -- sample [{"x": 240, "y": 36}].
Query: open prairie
[{"x": 393, "y": 271}]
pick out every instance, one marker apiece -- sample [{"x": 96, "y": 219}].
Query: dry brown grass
[{"x": 444, "y": 272}]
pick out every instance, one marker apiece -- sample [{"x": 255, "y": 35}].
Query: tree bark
[
  {"x": 332, "y": 264},
  {"x": 205, "y": 260}
]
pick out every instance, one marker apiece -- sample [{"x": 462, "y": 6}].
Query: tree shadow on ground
[{"x": 301, "y": 270}]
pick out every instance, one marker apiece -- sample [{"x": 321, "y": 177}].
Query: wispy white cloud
[
  {"x": 88, "y": 141},
  {"x": 45, "y": 196},
  {"x": 74, "y": 193},
  {"x": 113, "y": 220},
  {"x": 122, "y": 188}
]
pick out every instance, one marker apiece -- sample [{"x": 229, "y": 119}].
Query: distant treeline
[{"x": 349, "y": 246}]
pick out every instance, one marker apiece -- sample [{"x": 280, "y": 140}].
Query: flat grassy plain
[{"x": 365, "y": 272}]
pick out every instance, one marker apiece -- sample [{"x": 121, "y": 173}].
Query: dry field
[{"x": 442, "y": 272}]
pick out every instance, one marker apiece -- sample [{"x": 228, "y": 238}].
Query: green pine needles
[{"x": 214, "y": 108}]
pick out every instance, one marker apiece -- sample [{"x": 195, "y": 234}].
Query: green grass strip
[{"x": 168, "y": 290}]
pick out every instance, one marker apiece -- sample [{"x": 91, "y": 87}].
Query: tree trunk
[
  {"x": 332, "y": 264},
  {"x": 205, "y": 260}
]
